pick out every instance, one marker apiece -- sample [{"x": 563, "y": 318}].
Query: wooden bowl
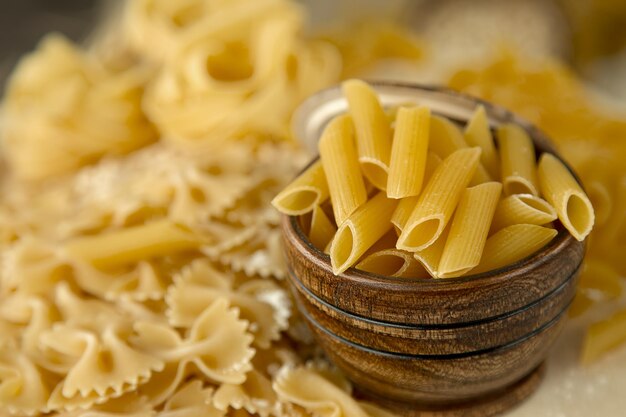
[{"x": 470, "y": 346}]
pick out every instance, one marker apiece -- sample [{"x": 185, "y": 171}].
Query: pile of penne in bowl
[{"x": 405, "y": 193}]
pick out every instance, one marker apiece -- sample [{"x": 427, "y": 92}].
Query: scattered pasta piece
[{"x": 603, "y": 337}]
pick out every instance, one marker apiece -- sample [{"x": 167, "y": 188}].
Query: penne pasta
[
  {"x": 430, "y": 257},
  {"x": 408, "y": 152},
  {"x": 561, "y": 189},
  {"x": 373, "y": 131},
  {"x": 132, "y": 244},
  {"x": 360, "y": 231},
  {"x": 341, "y": 166},
  {"x": 305, "y": 192},
  {"x": 438, "y": 200},
  {"x": 604, "y": 336},
  {"x": 469, "y": 229},
  {"x": 522, "y": 209},
  {"x": 384, "y": 259},
  {"x": 322, "y": 229},
  {"x": 599, "y": 276},
  {"x": 477, "y": 133},
  {"x": 512, "y": 244},
  {"x": 393, "y": 262},
  {"x": 601, "y": 201},
  {"x": 446, "y": 138},
  {"x": 517, "y": 160},
  {"x": 580, "y": 304},
  {"x": 407, "y": 204}
]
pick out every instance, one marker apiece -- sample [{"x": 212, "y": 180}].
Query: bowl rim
[{"x": 542, "y": 145}]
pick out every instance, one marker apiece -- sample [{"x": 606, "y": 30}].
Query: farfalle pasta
[{"x": 141, "y": 260}]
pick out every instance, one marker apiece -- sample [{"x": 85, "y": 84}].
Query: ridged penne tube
[
  {"x": 373, "y": 131},
  {"x": 341, "y": 166},
  {"x": 394, "y": 263},
  {"x": 408, "y": 152},
  {"x": 469, "y": 230},
  {"x": 446, "y": 138},
  {"x": 407, "y": 204},
  {"x": 360, "y": 231},
  {"x": 517, "y": 160},
  {"x": 430, "y": 257},
  {"x": 304, "y": 193},
  {"x": 522, "y": 209},
  {"x": 384, "y": 259},
  {"x": 438, "y": 200},
  {"x": 512, "y": 244},
  {"x": 322, "y": 229},
  {"x": 477, "y": 133},
  {"x": 132, "y": 244},
  {"x": 604, "y": 336},
  {"x": 561, "y": 189}
]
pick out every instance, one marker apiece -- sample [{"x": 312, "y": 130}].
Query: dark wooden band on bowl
[
  {"x": 430, "y": 301},
  {"x": 440, "y": 379},
  {"x": 435, "y": 340}
]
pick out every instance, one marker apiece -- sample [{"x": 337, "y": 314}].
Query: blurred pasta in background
[{"x": 141, "y": 269}]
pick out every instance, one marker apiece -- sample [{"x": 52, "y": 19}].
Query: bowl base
[{"x": 491, "y": 404}]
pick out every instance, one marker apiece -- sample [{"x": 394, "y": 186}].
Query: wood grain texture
[
  {"x": 435, "y": 340},
  {"x": 467, "y": 346},
  {"x": 437, "y": 380}
]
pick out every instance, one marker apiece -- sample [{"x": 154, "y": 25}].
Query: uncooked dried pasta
[
  {"x": 478, "y": 133},
  {"x": 446, "y": 138},
  {"x": 562, "y": 190},
  {"x": 133, "y": 244},
  {"x": 62, "y": 111},
  {"x": 408, "y": 152},
  {"x": 322, "y": 229},
  {"x": 341, "y": 165},
  {"x": 372, "y": 131},
  {"x": 522, "y": 209},
  {"x": 438, "y": 200},
  {"x": 517, "y": 160},
  {"x": 304, "y": 193},
  {"x": 360, "y": 231},
  {"x": 308, "y": 389},
  {"x": 406, "y": 205},
  {"x": 604, "y": 336},
  {"x": 513, "y": 243},
  {"x": 468, "y": 231}
]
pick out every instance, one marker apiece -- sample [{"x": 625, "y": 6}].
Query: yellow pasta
[
  {"x": 407, "y": 204},
  {"x": 341, "y": 166},
  {"x": 373, "y": 132},
  {"x": 599, "y": 276},
  {"x": 601, "y": 201},
  {"x": 512, "y": 244},
  {"x": 469, "y": 229},
  {"x": 517, "y": 160},
  {"x": 322, "y": 229},
  {"x": 604, "y": 336},
  {"x": 408, "y": 152},
  {"x": 430, "y": 257},
  {"x": 446, "y": 138},
  {"x": 477, "y": 133},
  {"x": 561, "y": 189},
  {"x": 522, "y": 209},
  {"x": 438, "y": 200},
  {"x": 305, "y": 193},
  {"x": 132, "y": 244},
  {"x": 360, "y": 231},
  {"x": 384, "y": 259}
]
